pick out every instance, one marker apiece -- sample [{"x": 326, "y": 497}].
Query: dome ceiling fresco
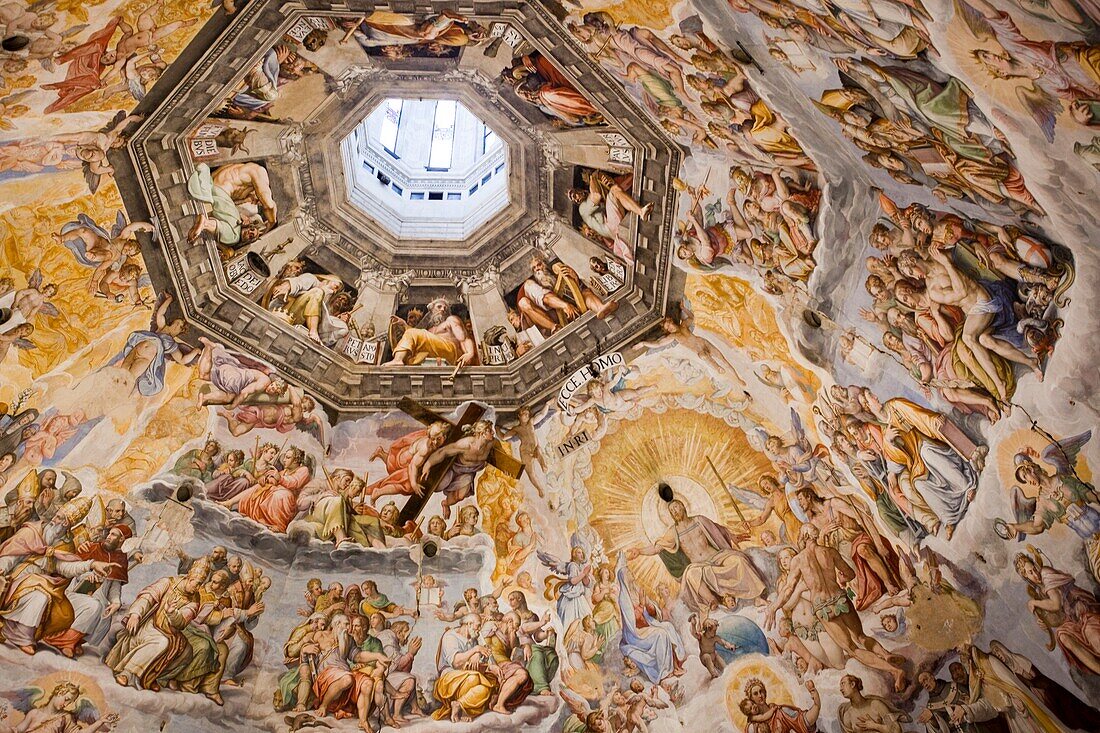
[{"x": 594, "y": 366}]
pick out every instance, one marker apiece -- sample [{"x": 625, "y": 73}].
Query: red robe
[
  {"x": 85, "y": 67},
  {"x": 71, "y": 639},
  {"x": 398, "y": 459}
]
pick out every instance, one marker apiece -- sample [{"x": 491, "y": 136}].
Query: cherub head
[{"x": 64, "y": 695}]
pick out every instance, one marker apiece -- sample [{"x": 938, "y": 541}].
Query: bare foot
[
  {"x": 197, "y": 228},
  {"x": 216, "y": 698},
  {"x": 122, "y": 679},
  {"x": 28, "y": 650},
  {"x": 607, "y": 309}
]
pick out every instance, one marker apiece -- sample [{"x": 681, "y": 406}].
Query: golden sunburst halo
[
  {"x": 745, "y": 669},
  {"x": 672, "y": 447},
  {"x": 88, "y": 688},
  {"x": 1017, "y": 442}
]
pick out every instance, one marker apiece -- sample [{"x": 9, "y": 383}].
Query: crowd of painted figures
[
  {"x": 964, "y": 304},
  {"x": 281, "y": 488},
  {"x": 65, "y": 563},
  {"x": 353, "y": 655},
  {"x": 841, "y": 551}
]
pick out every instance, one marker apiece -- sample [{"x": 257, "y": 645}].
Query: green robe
[
  {"x": 543, "y": 667},
  {"x": 223, "y": 209}
]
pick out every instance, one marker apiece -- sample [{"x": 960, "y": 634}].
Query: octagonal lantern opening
[{"x": 426, "y": 169}]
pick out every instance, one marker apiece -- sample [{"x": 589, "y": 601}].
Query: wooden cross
[{"x": 500, "y": 457}]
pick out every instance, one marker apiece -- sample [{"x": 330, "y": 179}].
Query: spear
[{"x": 722, "y": 483}]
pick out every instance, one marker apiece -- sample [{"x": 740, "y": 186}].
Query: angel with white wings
[
  {"x": 799, "y": 457},
  {"x": 1060, "y": 497},
  {"x": 570, "y": 584},
  {"x": 92, "y": 147},
  {"x": 64, "y": 709},
  {"x": 1044, "y": 72},
  {"x": 682, "y": 332}
]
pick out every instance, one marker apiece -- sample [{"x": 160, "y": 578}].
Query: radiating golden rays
[
  {"x": 1020, "y": 441},
  {"x": 730, "y": 308},
  {"x": 671, "y": 447},
  {"x": 743, "y": 670}
]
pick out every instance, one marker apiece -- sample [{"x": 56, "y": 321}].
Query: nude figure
[
  {"x": 948, "y": 286},
  {"x": 683, "y": 333},
  {"x": 34, "y": 299},
  {"x": 471, "y": 454},
  {"x": 143, "y": 39},
  {"x": 141, "y": 356},
  {"x": 706, "y": 633},
  {"x": 824, "y": 570},
  {"x": 106, "y": 252},
  {"x": 530, "y": 451},
  {"x": 245, "y": 183},
  {"x": 19, "y": 337}
]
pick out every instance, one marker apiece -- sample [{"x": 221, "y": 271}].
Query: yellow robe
[
  {"x": 422, "y": 344},
  {"x": 470, "y": 688}
]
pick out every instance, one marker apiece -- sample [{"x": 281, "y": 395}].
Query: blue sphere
[{"x": 742, "y": 633}]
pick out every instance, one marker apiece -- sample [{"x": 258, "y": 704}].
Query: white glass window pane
[
  {"x": 391, "y": 125},
  {"x": 492, "y": 142},
  {"x": 443, "y": 135}
]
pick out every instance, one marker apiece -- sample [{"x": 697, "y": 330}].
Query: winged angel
[
  {"x": 798, "y": 462},
  {"x": 1045, "y": 73},
  {"x": 1061, "y": 496},
  {"x": 64, "y": 709},
  {"x": 26, "y": 303},
  {"x": 108, "y": 253}
]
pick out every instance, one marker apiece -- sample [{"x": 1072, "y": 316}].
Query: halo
[{"x": 779, "y": 686}]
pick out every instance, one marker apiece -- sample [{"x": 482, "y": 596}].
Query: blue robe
[
  {"x": 151, "y": 381},
  {"x": 655, "y": 648}
]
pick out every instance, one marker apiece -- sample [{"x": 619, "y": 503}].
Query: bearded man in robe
[
  {"x": 151, "y": 640},
  {"x": 34, "y": 576}
]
